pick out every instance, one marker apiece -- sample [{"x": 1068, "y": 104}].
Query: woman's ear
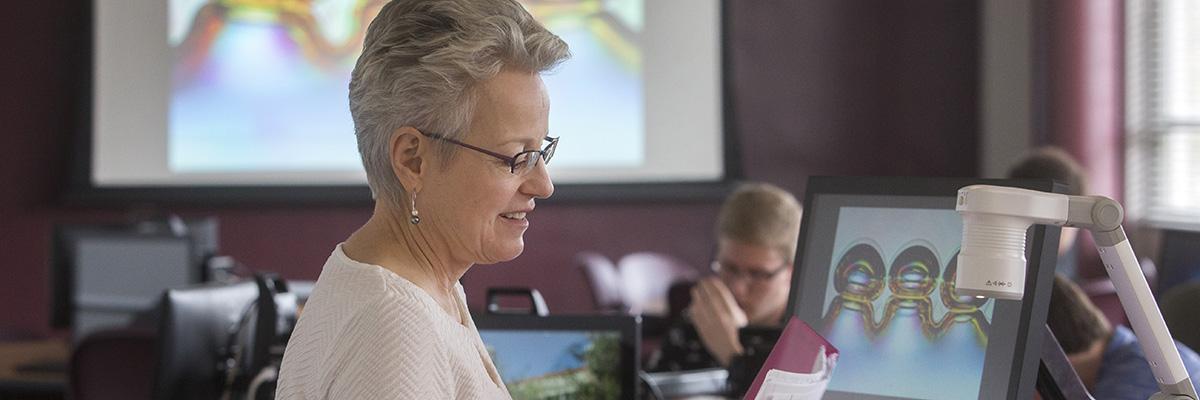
[{"x": 408, "y": 151}]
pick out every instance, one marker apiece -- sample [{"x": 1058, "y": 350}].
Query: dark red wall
[{"x": 830, "y": 87}]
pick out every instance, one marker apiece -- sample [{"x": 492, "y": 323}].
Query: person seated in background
[
  {"x": 756, "y": 231},
  {"x": 1109, "y": 360},
  {"x": 1078, "y": 263},
  {"x": 1051, "y": 162}
]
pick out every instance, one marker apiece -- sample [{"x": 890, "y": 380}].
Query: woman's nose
[{"x": 537, "y": 182}]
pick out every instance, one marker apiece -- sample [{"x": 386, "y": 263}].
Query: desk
[{"x": 16, "y": 384}]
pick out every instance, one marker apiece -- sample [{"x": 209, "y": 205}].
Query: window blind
[{"x": 1163, "y": 106}]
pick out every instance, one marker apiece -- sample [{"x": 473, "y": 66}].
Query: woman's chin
[{"x": 506, "y": 252}]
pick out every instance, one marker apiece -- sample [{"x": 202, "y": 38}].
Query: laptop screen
[{"x": 592, "y": 357}]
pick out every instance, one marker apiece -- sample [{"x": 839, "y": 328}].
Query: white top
[{"x": 366, "y": 333}]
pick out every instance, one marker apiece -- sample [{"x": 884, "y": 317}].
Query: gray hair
[{"x": 421, "y": 63}]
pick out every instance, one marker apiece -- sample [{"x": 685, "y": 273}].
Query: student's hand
[{"x": 717, "y": 318}]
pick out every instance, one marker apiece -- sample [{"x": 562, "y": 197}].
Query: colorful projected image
[
  {"x": 891, "y": 308},
  {"x": 596, "y": 98},
  {"x": 261, "y": 85},
  {"x": 556, "y": 364}
]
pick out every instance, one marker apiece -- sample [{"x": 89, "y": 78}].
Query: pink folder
[{"x": 796, "y": 351}]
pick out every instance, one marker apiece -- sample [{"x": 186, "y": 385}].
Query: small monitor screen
[
  {"x": 889, "y": 305},
  {"x": 534, "y": 364},
  {"x": 104, "y": 276},
  {"x": 563, "y": 357},
  {"x": 117, "y": 277},
  {"x": 876, "y": 278}
]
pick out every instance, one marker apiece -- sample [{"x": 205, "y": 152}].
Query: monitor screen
[
  {"x": 1180, "y": 257},
  {"x": 562, "y": 357},
  {"x": 105, "y": 275},
  {"x": 201, "y": 93},
  {"x": 876, "y": 278},
  {"x": 537, "y": 362},
  {"x": 116, "y": 278}
]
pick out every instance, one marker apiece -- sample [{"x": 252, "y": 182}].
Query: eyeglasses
[
  {"x": 519, "y": 164},
  {"x": 729, "y": 271}
]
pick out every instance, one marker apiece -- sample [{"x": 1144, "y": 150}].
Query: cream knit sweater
[{"x": 366, "y": 333}]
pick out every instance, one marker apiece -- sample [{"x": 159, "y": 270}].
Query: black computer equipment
[
  {"x": 108, "y": 275},
  {"x": 1180, "y": 257},
  {"x": 876, "y": 263},
  {"x": 194, "y": 335},
  {"x": 211, "y": 342},
  {"x": 594, "y": 357},
  {"x": 1057, "y": 378}
]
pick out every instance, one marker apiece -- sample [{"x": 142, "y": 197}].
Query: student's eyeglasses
[
  {"x": 519, "y": 164},
  {"x": 732, "y": 272}
]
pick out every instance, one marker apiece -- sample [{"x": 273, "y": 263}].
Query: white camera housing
[
  {"x": 992, "y": 263},
  {"x": 995, "y": 220}
]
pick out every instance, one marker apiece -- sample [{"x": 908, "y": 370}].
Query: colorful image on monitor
[
  {"x": 261, "y": 86},
  {"x": 891, "y": 310},
  {"x": 556, "y": 364}
]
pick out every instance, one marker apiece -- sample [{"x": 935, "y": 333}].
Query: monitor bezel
[
  {"x": 1042, "y": 245},
  {"x": 629, "y": 327}
]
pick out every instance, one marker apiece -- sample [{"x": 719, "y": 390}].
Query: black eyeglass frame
[
  {"x": 545, "y": 153},
  {"x": 742, "y": 273}
]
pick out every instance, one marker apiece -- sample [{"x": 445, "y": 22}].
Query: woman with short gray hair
[{"x": 451, "y": 117}]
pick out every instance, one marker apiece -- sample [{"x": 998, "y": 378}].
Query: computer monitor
[
  {"x": 1180, "y": 257},
  {"x": 875, "y": 274},
  {"x": 593, "y": 357},
  {"x": 106, "y": 275}
]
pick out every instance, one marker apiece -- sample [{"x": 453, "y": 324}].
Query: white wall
[{"x": 1006, "y": 83}]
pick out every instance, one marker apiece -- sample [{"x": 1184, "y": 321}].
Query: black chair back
[
  {"x": 1178, "y": 307},
  {"x": 196, "y": 327}
]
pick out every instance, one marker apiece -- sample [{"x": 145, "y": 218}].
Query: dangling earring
[{"x": 416, "y": 217}]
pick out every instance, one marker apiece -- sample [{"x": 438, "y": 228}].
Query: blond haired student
[{"x": 757, "y": 229}]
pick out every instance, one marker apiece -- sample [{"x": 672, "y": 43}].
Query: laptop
[{"x": 538, "y": 357}]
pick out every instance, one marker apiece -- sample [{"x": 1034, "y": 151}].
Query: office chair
[
  {"x": 646, "y": 279},
  {"x": 113, "y": 364},
  {"x": 1179, "y": 310},
  {"x": 604, "y": 280},
  {"x": 210, "y": 342},
  {"x": 638, "y": 284},
  {"x": 194, "y": 338},
  {"x": 213, "y": 344}
]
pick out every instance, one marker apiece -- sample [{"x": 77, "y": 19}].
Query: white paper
[{"x": 784, "y": 385}]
